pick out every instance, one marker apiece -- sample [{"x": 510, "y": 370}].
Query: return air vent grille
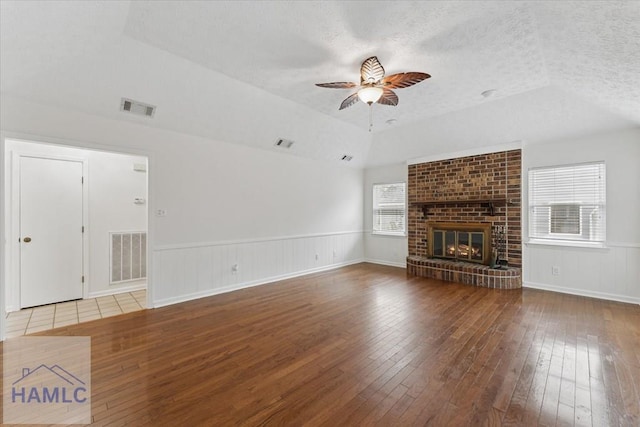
[
  {"x": 283, "y": 143},
  {"x": 128, "y": 256},
  {"x": 346, "y": 158},
  {"x": 136, "y": 107}
]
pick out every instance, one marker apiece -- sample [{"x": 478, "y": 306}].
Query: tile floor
[{"x": 37, "y": 319}]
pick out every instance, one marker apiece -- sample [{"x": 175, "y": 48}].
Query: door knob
[{"x": 27, "y": 239}]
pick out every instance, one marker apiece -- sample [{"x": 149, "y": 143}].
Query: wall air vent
[
  {"x": 136, "y": 107},
  {"x": 283, "y": 143},
  {"x": 346, "y": 158}
]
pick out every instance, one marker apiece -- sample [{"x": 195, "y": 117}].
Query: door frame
[
  {"x": 123, "y": 148},
  {"x": 14, "y": 284}
]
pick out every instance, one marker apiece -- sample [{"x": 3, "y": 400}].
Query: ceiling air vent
[
  {"x": 346, "y": 158},
  {"x": 284, "y": 143},
  {"x": 137, "y": 107}
]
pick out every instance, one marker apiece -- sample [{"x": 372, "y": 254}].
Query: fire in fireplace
[{"x": 462, "y": 241}]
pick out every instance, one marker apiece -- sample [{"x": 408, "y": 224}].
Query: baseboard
[
  {"x": 384, "y": 262},
  {"x": 120, "y": 290},
  {"x": 250, "y": 284},
  {"x": 582, "y": 292}
]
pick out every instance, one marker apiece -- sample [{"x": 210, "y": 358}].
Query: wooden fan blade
[
  {"x": 337, "y": 85},
  {"x": 371, "y": 70},
  {"x": 352, "y": 99},
  {"x": 388, "y": 97},
  {"x": 402, "y": 80}
]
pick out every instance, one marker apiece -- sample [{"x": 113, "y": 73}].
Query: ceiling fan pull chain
[{"x": 370, "y": 117}]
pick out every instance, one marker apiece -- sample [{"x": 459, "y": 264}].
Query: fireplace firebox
[{"x": 470, "y": 242}]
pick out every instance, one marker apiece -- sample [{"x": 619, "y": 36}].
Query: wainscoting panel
[
  {"x": 611, "y": 273},
  {"x": 186, "y": 272}
]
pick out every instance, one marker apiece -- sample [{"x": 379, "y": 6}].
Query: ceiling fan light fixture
[
  {"x": 370, "y": 94},
  {"x": 374, "y": 86}
]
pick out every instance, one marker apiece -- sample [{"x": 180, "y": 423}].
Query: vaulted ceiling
[{"x": 244, "y": 72}]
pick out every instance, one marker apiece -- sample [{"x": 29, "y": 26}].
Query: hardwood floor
[{"x": 367, "y": 345}]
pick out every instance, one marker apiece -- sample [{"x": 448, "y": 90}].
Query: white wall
[
  {"x": 379, "y": 249},
  {"x": 3, "y": 243},
  {"x": 112, "y": 185},
  {"x": 219, "y": 197},
  {"x": 613, "y": 272}
]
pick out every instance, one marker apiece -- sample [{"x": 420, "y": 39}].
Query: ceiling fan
[{"x": 374, "y": 86}]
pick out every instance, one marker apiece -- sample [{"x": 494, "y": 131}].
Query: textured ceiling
[
  {"x": 466, "y": 47},
  {"x": 245, "y": 71}
]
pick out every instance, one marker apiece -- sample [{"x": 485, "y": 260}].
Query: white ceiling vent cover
[
  {"x": 283, "y": 143},
  {"x": 137, "y": 107}
]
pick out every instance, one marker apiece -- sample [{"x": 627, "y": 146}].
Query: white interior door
[{"x": 50, "y": 230}]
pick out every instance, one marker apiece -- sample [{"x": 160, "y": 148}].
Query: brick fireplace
[{"x": 462, "y": 214}]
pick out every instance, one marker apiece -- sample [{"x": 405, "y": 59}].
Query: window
[
  {"x": 567, "y": 203},
  {"x": 389, "y": 208}
]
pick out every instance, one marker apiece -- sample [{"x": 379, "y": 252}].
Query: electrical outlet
[
  {"x": 317, "y": 257},
  {"x": 161, "y": 212},
  {"x": 555, "y": 270},
  {"x": 335, "y": 254},
  {"x": 234, "y": 268}
]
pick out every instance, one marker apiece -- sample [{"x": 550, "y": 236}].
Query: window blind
[
  {"x": 568, "y": 203},
  {"x": 389, "y": 208}
]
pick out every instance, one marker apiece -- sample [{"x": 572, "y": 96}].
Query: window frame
[
  {"x": 536, "y": 236},
  {"x": 375, "y": 209}
]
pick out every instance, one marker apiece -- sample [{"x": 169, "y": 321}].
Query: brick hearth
[{"x": 465, "y": 272}]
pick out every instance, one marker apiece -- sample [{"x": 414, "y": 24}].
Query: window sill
[
  {"x": 387, "y": 233},
  {"x": 566, "y": 243}
]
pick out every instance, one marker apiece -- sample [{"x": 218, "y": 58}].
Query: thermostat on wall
[{"x": 139, "y": 201}]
